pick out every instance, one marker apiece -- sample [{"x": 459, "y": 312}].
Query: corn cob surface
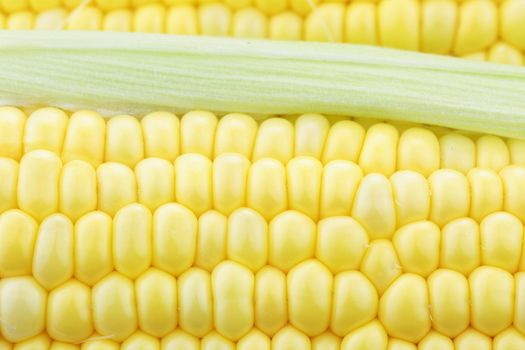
[
  {"x": 225, "y": 233},
  {"x": 477, "y": 29}
]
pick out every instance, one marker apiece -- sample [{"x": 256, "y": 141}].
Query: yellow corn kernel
[
  {"x": 118, "y": 21},
  {"x": 149, "y": 19},
  {"x": 22, "y": 308},
  {"x": 411, "y": 196},
  {"x": 254, "y": 340},
  {"x": 193, "y": 182},
  {"x": 418, "y": 150},
  {"x": 398, "y": 23},
  {"x": 44, "y": 130},
  {"x": 20, "y": 21},
  {"x": 211, "y": 240},
  {"x": 114, "y": 311},
  {"x": 155, "y": 182},
  {"x": 439, "y": 21},
  {"x": 41, "y": 5},
  {"x": 51, "y": 19},
  {"x": 99, "y": 343},
  {"x": 304, "y": 185},
  {"x": 38, "y": 195},
  {"x": 161, "y": 135},
  {"x": 352, "y": 291},
  {"x": 380, "y": 264},
  {"x": 492, "y": 299},
  {"x": 17, "y": 239},
  {"x": 309, "y": 311},
  {"x": 247, "y": 238},
  {"x": 63, "y": 346},
  {"x": 78, "y": 189},
  {"x": 291, "y": 239},
  {"x": 156, "y": 295},
  {"x": 303, "y": 7},
  {"x": 124, "y": 142},
  {"x": 370, "y": 336},
  {"x": 398, "y": 344},
  {"x": 289, "y": 338},
  {"x": 249, "y": 23},
  {"x": 2, "y": 26},
  {"x": 271, "y": 308},
  {"x": 492, "y": 153},
  {"x": 341, "y": 243},
  {"x": 377, "y": 216},
  {"x": 174, "y": 238},
  {"x": 476, "y": 56},
  {"x": 450, "y": 197},
  {"x": 266, "y": 188},
  {"x": 182, "y": 20},
  {"x": 379, "y": 150},
  {"x": 214, "y": 19},
  {"x": 195, "y": 302},
  {"x": 311, "y": 132},
  {"x": 93, "y": 255},
  {"x": 517, "y": 151},
  {"x": 233, "y": 296},
  {"x": 53, "y": 257},
  {"x": 116, "y": 187},
  {"x": 501, "y": 241},
  {"x": 69, "y": 312},
  {"x": 230, "y": 176},
  {"x": 286, "y": 25},
  {"x": 514, "y": 188},
  {"x": 12, "y": 125},
  {"x": 275, "y": 139},
  {"x": 214, "y": 341},
  {"x": 85, "y": 136},
  {"x": 140, "y": 340},
  {"x": 40, "y": 342},
  {"x": 344, "y": 141},
  {"x": 235, "y": 134},
  {"x": 478, "y": 26},
  {"x": 325, "y": 23},
  {"x": 472, "y": 339},
  {"x": 326, "y": 341},
  {"x": 360, "y": 23},
  {"x": 484, "y": 202},
  {"x": 14, "y": 5},
  {"x": 460, "y": 246},
  {"x": 509, "y": 339},
  {"x": 132, "y": 240},
  {"x": 108, "y": 5},
  {"x": 138, "y": 3},
  {"x": 417, "y": 245},
  {"x": 519, "y": 309},
  {"x": 86, "y": 18},
  {"x": 435, "y": 341},
  {"x": 271, "y": 7},
  {"x": 503, "y": 53},
  {"x": 458, "y": 152},
  {"x": 8, "y": 178},
  {"x": 238, "y": 4},
  {"x": 512, "y": 22},
  {"x": 180, "y": 340},
  {"x": 449, "y": 301},
  {"x": 403, "y": 308},
  {"x": 339, "y": 183}
]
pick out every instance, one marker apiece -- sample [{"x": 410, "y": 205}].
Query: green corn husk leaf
[{"x": 125, "y": 73}]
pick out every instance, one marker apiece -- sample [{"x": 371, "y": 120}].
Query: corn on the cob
[
  {"x": 208, "y": 233},
  {"x": 480, "y": 29}
]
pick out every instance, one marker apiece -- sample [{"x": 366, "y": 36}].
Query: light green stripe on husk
[{"x": 117, "y": 73}]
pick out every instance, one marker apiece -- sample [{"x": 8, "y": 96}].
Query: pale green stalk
[{"x": 118, "y": 73}]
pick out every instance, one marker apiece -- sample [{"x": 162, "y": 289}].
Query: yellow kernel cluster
[
  {"x": 486, "y": 30},
  {"x": 227, "y": 233}
]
